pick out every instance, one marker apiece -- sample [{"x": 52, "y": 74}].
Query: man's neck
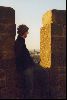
[{"x": 23, "y": 37}]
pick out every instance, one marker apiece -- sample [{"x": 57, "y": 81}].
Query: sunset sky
[{"x": 30, "y": 12}]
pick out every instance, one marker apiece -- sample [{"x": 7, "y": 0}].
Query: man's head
[{"x": 22, "y": 30}]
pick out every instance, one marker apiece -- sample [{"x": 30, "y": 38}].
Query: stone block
[
  {"x": 58, "y": 82},
  {"x": 58, "y": 44},
  {"x": 2, "y": 79},
  {"x": 57, "y": 30},
  {"x": 7, "y": 15},
  {"x": 8, "y": 29}
]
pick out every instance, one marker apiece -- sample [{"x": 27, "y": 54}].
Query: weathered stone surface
[
  {"x": 8, "y": 29},
  {"x": 7, "y": 56},
  {"x": 7, "y": 15},
  {"x": 53, "y": 51},
  {"x": 54, "y": 16},
  {"x": 45, "y": 46},
  {"x": 53, "y": 37},
  {"x": 58, "y": 45},
  {"x": 59, "y": 16},
  {"x": 58, "y": 30},
  {"x": 58, "y": 82},
  {"x": 7, "y": 21},
  {"x": 2, "y": 79}
]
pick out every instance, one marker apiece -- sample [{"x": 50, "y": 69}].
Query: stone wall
[
  {"x": 7, "y": 57},
  {"x": 53, "y": 51},
  {"x": 53, "y": 38}
]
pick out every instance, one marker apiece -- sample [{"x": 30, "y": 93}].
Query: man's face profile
[{"x": 25, "y": 34}]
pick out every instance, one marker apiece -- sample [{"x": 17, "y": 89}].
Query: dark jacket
[{"x": 23, "y": 58}]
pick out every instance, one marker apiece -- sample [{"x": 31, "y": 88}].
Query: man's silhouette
[{"x": 24, "y": 62}]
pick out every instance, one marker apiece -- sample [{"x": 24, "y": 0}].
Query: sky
[{"x": 30, "y": 12}]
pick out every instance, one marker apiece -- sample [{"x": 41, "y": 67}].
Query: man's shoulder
[{"x": 19, "y": 43}]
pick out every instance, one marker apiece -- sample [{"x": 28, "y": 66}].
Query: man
[{"x": 24, "y": 62}]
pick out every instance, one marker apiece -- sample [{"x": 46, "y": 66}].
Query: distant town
[{"x": 35, "y": 55}]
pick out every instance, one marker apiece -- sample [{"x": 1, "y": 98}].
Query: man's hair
[{"x": 22, "y": 29}]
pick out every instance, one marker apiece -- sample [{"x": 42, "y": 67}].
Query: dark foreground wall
[
  {"x": 7, "y": 62},
  {"x": 58, "y": 56},
  {"x": 53, "y": 51}
]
